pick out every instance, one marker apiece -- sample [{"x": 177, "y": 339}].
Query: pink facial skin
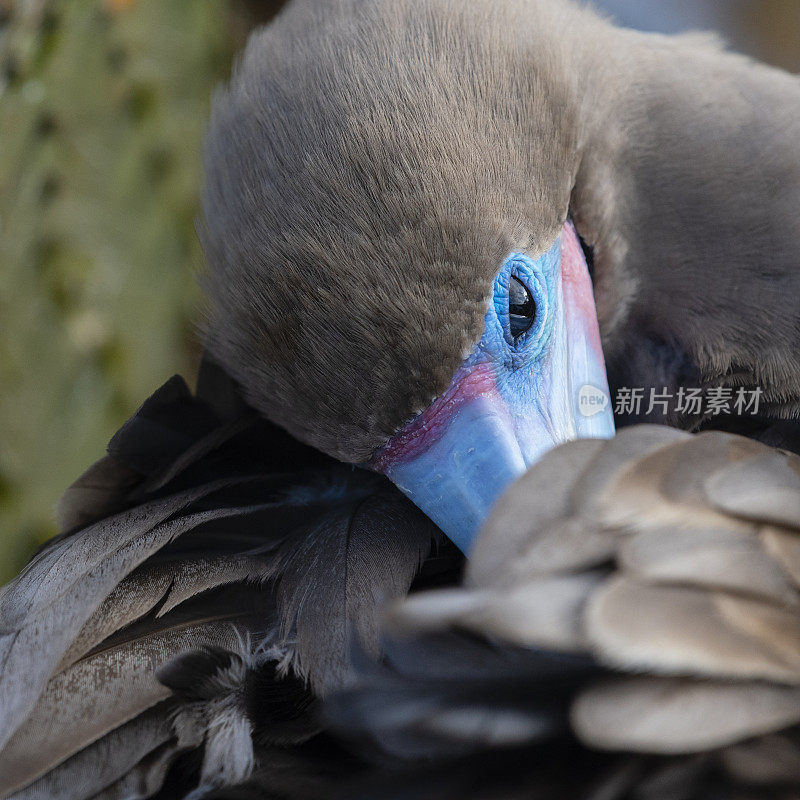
[
  {"x": 468, "y": 384},
  {"x": 576, "y": 285}
]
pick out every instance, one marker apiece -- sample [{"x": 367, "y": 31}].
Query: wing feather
[
  {"x": 117, "y": 683},
  {"x": 333, "y": 577},
  {"x": 677, "y": 715},
  {"x": 677, "y": 629},
  {"x": 42, "y": 634},
  {"x": 715, "y": 558},
  {"x": 765, "y": 489},
  {"x": 202, "y": 528},
  {"x": 135, "y": 755},
  {"x": 669, "y": 561}
]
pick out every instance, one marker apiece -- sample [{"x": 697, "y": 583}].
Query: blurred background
[{"x": 102, "y": 110}]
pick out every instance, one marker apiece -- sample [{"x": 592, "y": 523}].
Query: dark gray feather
[
  {"x": 334, "y": 575},
  {"x": 52, "y": 600},
  {"x": 117, "y": 682},
  {"x": 136, "y": 753}
]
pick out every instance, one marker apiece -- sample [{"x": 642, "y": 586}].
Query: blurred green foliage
[{"x": 102, "y": 110}]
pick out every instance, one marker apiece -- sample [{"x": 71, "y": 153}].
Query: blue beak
[{"x": 513, "y": 398}]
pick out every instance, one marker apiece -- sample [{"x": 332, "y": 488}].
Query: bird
[
  {"x": 637, "y": 597},
  {"x": 429, "y": 227},
  {"x": 413, "y": 160}
]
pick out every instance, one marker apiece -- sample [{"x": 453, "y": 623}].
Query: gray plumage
[
  {"x": 286, "y": 571},
  {"x": 140, "y": 751}
]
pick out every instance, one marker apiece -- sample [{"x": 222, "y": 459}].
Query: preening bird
[
  {"x": 399, "y": 202},
  {"x": 639, "y": 596}
]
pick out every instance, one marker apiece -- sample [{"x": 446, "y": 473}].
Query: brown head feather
[
  {"x": 372, "y": 163},
  {"x": 366, "y": 179}
]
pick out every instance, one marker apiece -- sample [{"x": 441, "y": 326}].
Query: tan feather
[
  {"x": 716, "y": 558},
  {"x": 673, "y": 629},
  {"x": 545, "y": 612},
  {"x": 698, "y": 582},
  {"x": 563, "y": 488},
  {"x": 565, "y": 545},
  {"x": 765, "y": 488},
  {"x": 676, "y": 715},
  {"x": 512, "y": 526},
  {"x": 784, "y": 546},
  {"x": 663, "y": 487},
  {"x": 617, "y": 455}
]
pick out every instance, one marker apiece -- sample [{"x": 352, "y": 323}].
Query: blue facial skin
[{"x": 512, "y": 400}]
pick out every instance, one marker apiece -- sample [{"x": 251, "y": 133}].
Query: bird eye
[{"x": 521, "y": 308}]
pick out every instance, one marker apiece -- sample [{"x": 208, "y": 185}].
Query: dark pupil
[{"x": 521, "y": 308}]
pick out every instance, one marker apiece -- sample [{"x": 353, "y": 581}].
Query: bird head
[{"x": 393, "y": 276}]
